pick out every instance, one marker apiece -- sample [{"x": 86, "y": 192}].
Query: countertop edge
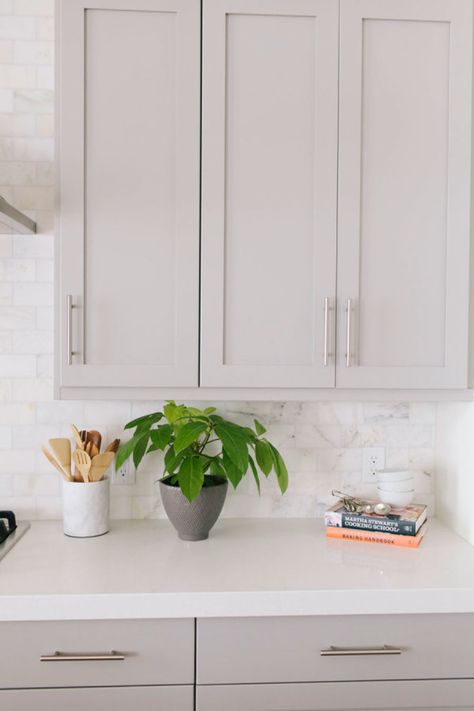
[{"x": 169, "y": 605}]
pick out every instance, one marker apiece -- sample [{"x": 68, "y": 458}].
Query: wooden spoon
[
  {"x": 52, "y": 460},
  {"x": 100, "y": 464},
  {"x": 83, "y": 463},
  {"x": 95, "y": 438},
  {"x": 61, "y": 447},
  {"x": 113, "y": 446}
]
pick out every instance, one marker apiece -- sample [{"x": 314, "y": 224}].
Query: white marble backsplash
[{"x": 322, "y": 443}]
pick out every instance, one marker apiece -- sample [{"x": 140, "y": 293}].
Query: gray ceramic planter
[{"x": 193, "y": 520}]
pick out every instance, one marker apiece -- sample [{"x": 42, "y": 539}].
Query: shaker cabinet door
[
  {"x": 269, "y": 160},
  {"x": 404, "y": 193},
  {"x": 343, "y": 696},
  {"x": 128, "y": 151}
]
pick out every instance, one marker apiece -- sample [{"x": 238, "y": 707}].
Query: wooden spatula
[
  {"x": 61, "y": 447},
  {"x": 83, "y": 463},
  {"x": 77, "y": 437},
  {"x": 52, "y": 460},
  {"x": 100, "y": 464}
]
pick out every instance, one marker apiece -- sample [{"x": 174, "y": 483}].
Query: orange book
[{"x": 390, "y": 539}]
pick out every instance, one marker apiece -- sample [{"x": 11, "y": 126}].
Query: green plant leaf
[
  {"x": 235, "y": 442},
  {"x": 263, "y": 453},
  {"x": 146, "y": 420},
  {"x": 140, "y": 449},
  {"x": 280, "y": 469},
  {"x": 126, "y": 449},
  {"x": 259, "y": 428},
  {"x": 188, "y": 434},
  {"x": 209, "y": 410},
  {"x": 255, "y": 473},
  {"x": 173, "y": 411},
  {"x": 233, "y": 473},
  {"x": 191, "y": 477},
  {"x": 217, "y": 468},
  {"x": 161, "y": 436},
  {"x": 172, "y": 460}
]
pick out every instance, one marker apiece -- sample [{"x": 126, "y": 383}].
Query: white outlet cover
[
  {"x": 373, "y": 460},
  {"x": 125, "y": 476}
]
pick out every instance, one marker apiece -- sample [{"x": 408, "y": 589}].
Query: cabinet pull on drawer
[
  {"x": 61, "y": 657},
  {"x": 359, "y": 651}
]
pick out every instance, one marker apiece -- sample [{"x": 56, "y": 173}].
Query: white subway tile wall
[{"x": 321, "y": 442}]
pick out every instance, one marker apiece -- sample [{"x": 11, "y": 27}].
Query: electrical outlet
[
  {"x": 373, "y": 461},
  {"x": 125, "y": 475}
]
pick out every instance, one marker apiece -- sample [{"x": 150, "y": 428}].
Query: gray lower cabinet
[
  {"x": 342, "y": 696},
  {"x": 295, "y": 649},
  {"x": 146, "y": 698}
]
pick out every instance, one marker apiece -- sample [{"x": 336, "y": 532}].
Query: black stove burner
[{"x": 7, "y": 524}]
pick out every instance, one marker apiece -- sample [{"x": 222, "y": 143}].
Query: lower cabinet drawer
[
  {"x": 164, "y": 698},
  {"x": 153, "y": 651},
  {"x": 342, "y": 696},
  {"x": 288, "y": 649}
]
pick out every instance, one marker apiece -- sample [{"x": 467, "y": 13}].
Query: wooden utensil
[
  {"x": 100, "y": 464},
  {"x": 95, "y": 438},
  {"x": 52, "y": 460},
  {"x": 77, "y": 437},
  {"x": 61, "y": 447},
  {"x": 113, "y": 446},
  {"x": 83, "y": 463}
]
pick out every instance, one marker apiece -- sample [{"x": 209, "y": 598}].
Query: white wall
[
  {"x": 321, "y": 442},
  {"x": 455, "y": 467}
]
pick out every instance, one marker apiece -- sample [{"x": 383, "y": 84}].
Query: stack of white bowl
[{"x": 396, "y": 487}]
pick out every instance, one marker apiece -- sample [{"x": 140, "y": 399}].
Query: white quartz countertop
[{"x": 247, "y": 567}]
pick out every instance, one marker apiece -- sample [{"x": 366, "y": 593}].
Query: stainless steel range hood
[{"x": 15, "y": 220}]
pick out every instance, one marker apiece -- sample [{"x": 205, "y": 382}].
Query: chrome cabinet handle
[
  {"x": 359, "y": 651},
  {"x": 61, "y": 657},
  {"x": 326, "y": 330},
  {"x": 348, "y": 333},
  {"x": 70, "y": 307}
]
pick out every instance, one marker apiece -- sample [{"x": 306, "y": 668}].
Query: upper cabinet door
[
  {"x": 129, "y": 87},
  {"x": 404, "y": 193},
  {"x": 269, "y": 161}
]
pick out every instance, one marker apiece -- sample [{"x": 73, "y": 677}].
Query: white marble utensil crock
[{"x": 86, "y": 508}]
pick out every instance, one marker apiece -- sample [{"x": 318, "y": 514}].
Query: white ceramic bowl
[
  {"x": 406, "y": 485},
  {"x": 395, "y": 498},
  {"x": 389, "y": 475}
]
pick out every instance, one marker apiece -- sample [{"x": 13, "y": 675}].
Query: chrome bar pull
[
  {"x": 348, "y": 332},
  {"x": 326, "y": 331},
  {"x": 359, "y": 651},
  {"x": 70, "y": 307},
  {"x": 62, "y": 657}
]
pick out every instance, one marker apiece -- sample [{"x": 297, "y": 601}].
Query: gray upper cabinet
[
  {"x": 269, "y": 187},
  {"x": 293, "y": 215},
  {"x": 128, "y": 156},
  {"x": 404, "y": 193}
]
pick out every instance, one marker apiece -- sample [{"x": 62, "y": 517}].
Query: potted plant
[{"x": 202, "y": 452}]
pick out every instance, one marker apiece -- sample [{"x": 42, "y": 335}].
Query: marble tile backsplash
[{"x": 321, "y": 442}]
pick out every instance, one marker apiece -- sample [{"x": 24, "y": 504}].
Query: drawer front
[
  {"x": 163, "y": 698},
  {"x": 155, "y": 651},
  {"x": 345, "y": 696},
  {"x": 288, "y": 649}
]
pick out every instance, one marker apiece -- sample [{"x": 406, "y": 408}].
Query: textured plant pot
[
  {"x": 86, "y": 508},
  {"x": 193, "y": 520}
]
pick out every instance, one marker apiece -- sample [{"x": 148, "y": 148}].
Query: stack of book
[{"x": 401, "y": 527}]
